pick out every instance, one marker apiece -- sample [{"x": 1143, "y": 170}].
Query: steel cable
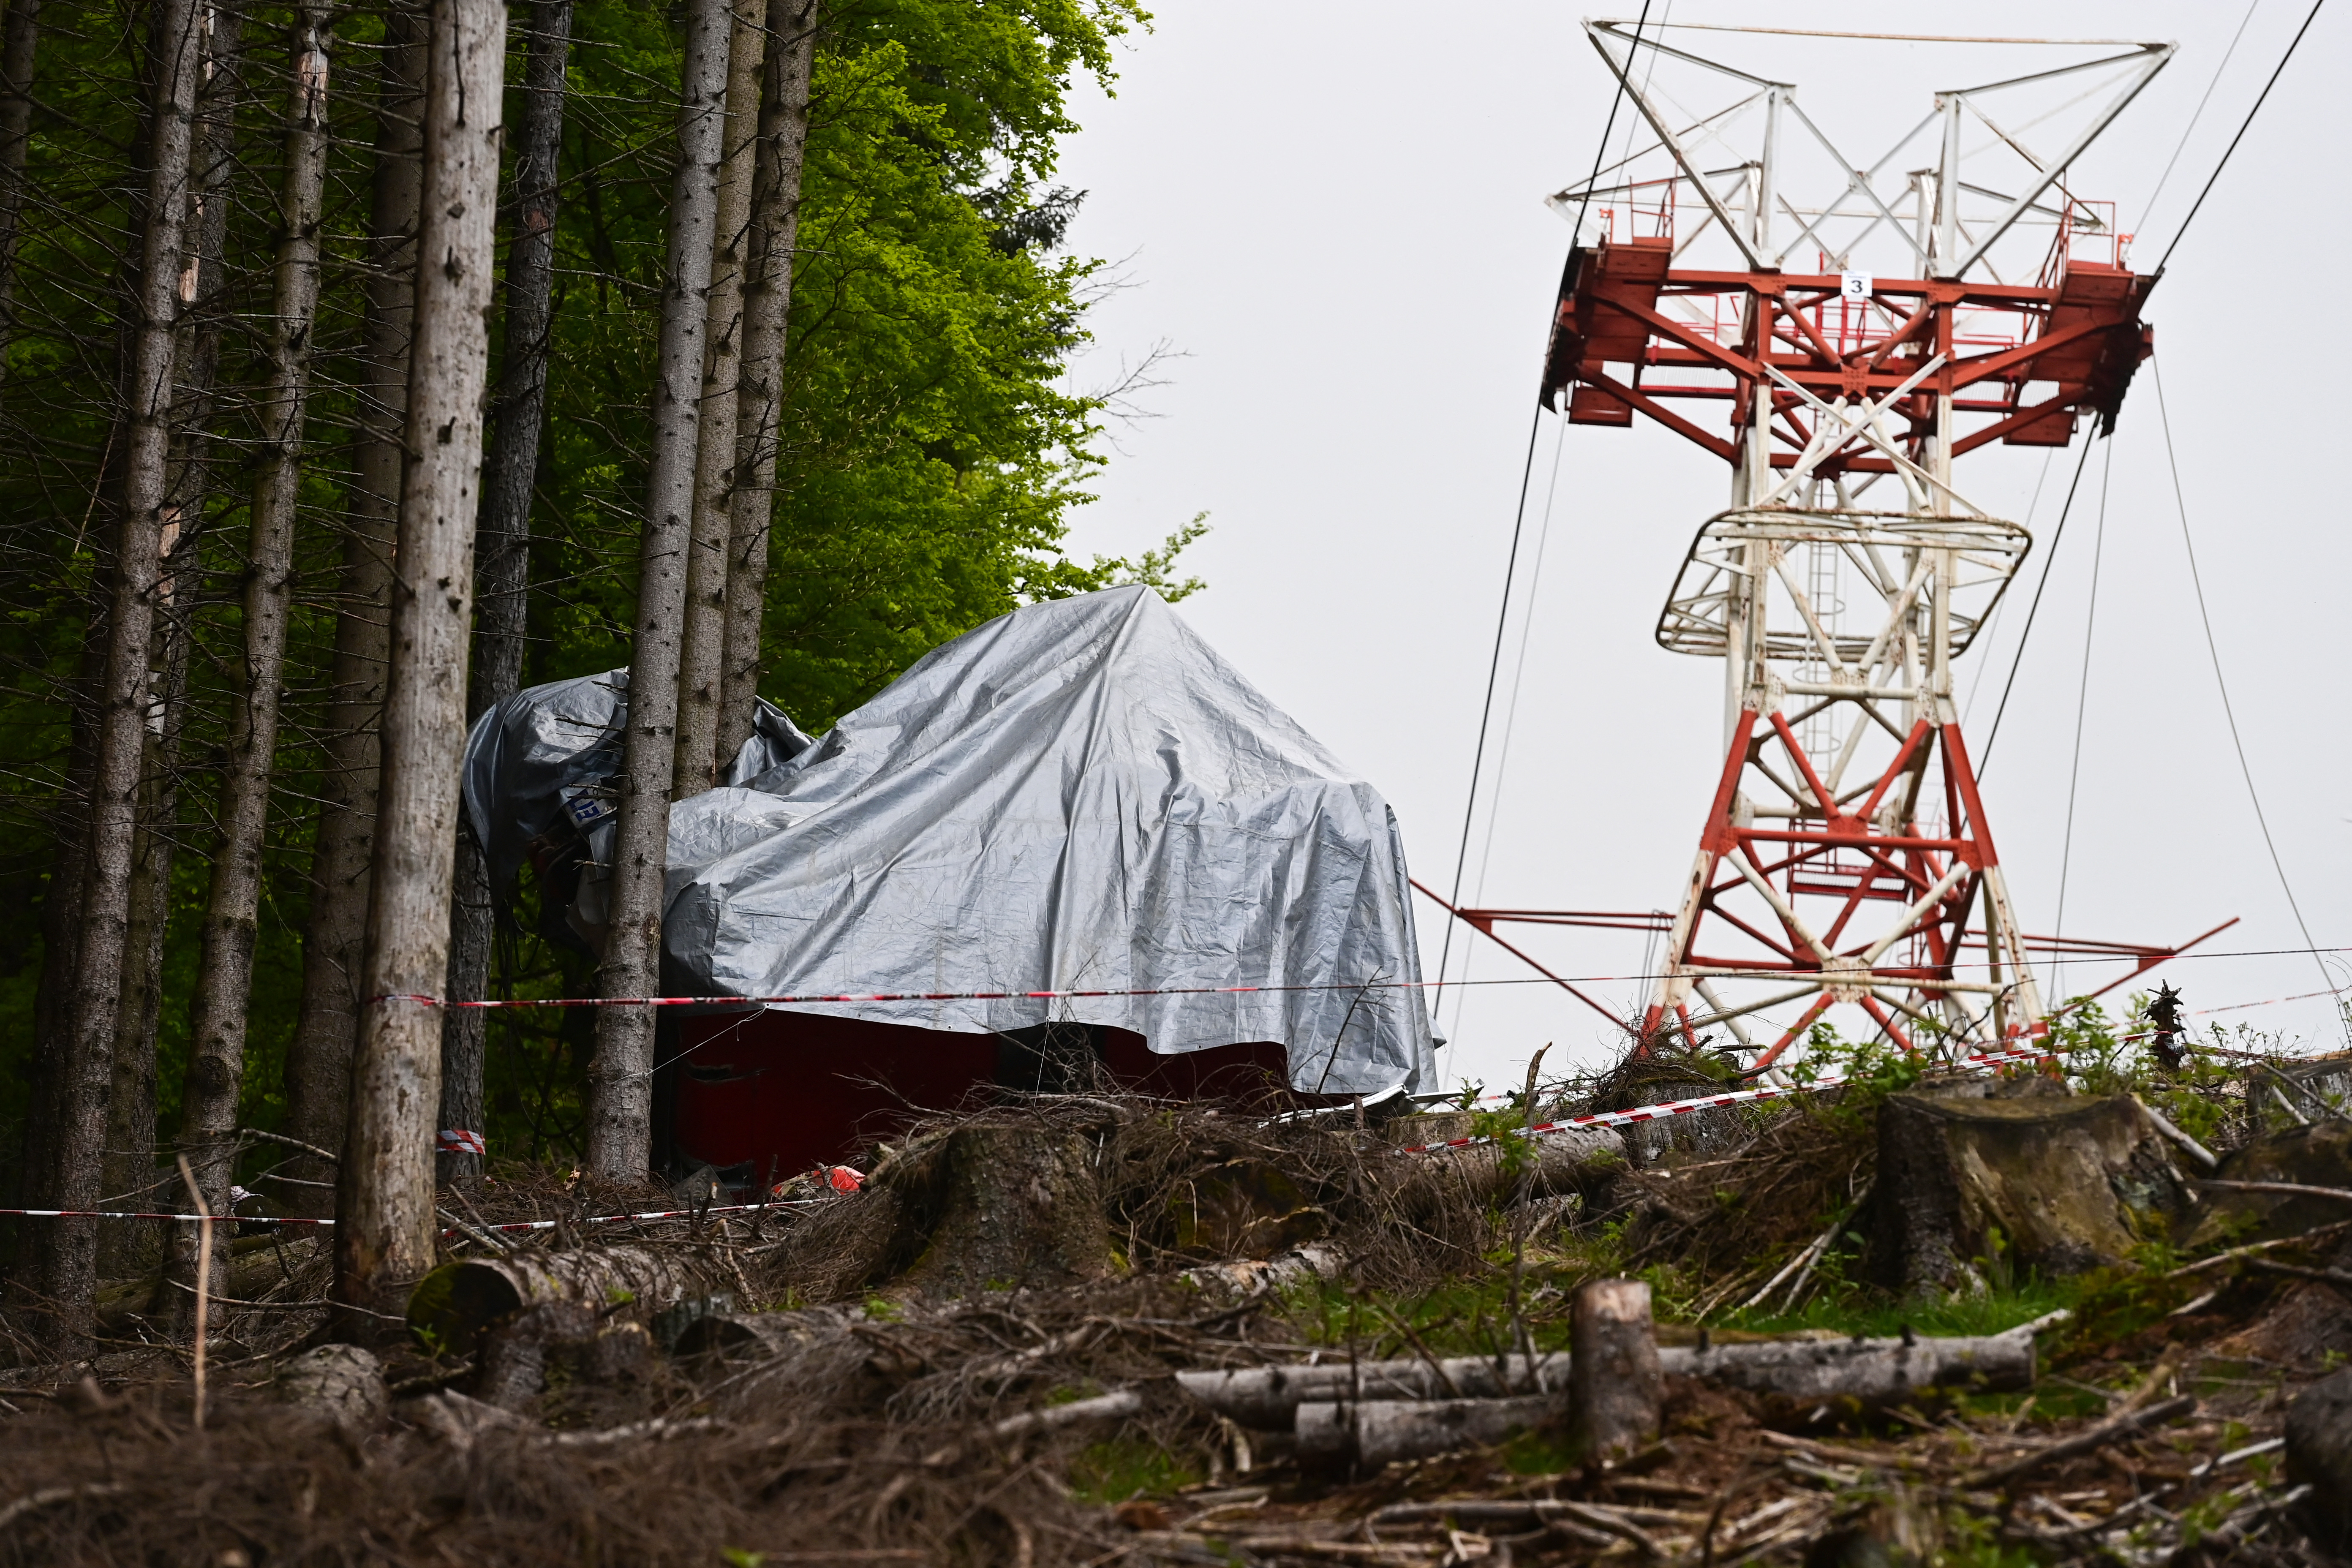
[{"x": 1511, "y": 565}]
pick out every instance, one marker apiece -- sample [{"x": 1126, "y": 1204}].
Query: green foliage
[
  {"x": 932, "y": 450},
  {"x": 2107, "y": 1058},
  {"x": 1871, "y": 1068},
  {"x": 1858, "y": 1310},
  {"x": 1121, "y": 1468}
]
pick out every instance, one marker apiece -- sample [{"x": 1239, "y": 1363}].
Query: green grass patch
[
  {"x": 1113, "y": 1471},
  {"x": 1876, "y": 1315}
]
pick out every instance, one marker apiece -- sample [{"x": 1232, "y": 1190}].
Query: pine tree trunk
[
  {"x": 18, "y": 35},
  {"x": 767, "y": 311},
  {"x": 703, "y": 651},
  {"x": 53, "y": 1007},
  {"x": 318, "y": 1063},
  {"x": 620, "y": 1078},
  {"x": 68, "y": 1276},
  {"x": 384, "y": 1229},
  {"x": 128, "y": 1166},
  {"x": 502, "y": 582},
  {"x": 224, "y": 976},
  {"x": 130, "y": 1162}
]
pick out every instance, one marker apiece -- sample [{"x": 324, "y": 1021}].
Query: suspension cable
[
  {"x": 2228, "y": 710},
  {"x": 1511, "y": 565},
  {"x": 2049, "y": 564},
  {"x": 2244, "y": 127},
  {"x": 2082, "y": 690}
]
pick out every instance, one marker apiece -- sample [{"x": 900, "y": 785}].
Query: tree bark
[
  {"x": 1616, "y": 1393},
  {"x": 767, "y": 312},
  {"x": 68, "y": 1276},
  {"x": 130, "y": 1161},
  {"x": 224, "y": 976},
  {"x": 502, "y": 580},
  {"x": 318, "y": 1063},
  {"x": 18, "y": 37},
  {"x": 461, "y": 1302},
  {"x": 385, "y": 1223},
  {"x": 1874, "y": 1372},
  {"x": 703, "y": 648},
  {"x": 127, "y": 1167},
  {"x": 1376, "y": 1432},
  {"x": 54, "y": 1003},
  {"x": 620, "y": 1078}
]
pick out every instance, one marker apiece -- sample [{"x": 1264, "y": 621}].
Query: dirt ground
[{"x": 807, "y": 1403}]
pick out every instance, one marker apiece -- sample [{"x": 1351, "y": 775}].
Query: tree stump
[
  {"x": 2319, "y": 1455},
  {"x": 1616, "y": 1391},
  {"x": 343, "y": 1382},
  {"x": 1015, "y": 1204},
  {"x": 2319, "y": 1155},
  {"x": 2070, "y": 1184}
]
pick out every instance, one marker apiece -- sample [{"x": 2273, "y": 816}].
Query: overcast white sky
[{"x": 1335, "y": 211}]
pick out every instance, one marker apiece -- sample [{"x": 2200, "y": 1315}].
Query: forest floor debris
[{"x": 778, "y": 1386}]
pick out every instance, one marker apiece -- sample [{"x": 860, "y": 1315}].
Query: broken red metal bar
[{"x": 1486, "y": 930}]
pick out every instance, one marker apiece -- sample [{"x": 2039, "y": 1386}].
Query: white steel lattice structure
[{"x": 1723, "y": 268}]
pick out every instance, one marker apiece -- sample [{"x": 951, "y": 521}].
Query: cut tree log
[
  {"x": 455, "y": 1303},
  {"x": 2070, "y": 1184},
  {"x": 1875, "y": 1372},
  {"x": 1574, "y": 1160},
  {"x": 1376, "y": 1432},
  {"x": 1270, "y": 1397},
  {"x": 1616, "y": 1393},
  {"x": 1869, "y": 1374}
]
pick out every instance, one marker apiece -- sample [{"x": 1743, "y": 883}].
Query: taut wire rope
[
  {"x": 2033, "y": 611},
  {"x": 2244, "y": 125},
  {"x": 1511, "y": 706},
  {"x": 2229, "y": 710},
  {"x": 1510, "y": 567},
  {"x": 2182, "y": 145},
  {"x": 2083, "y": 692}
]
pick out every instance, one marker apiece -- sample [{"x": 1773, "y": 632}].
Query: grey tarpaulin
[{"x": 1079, "y": 795}]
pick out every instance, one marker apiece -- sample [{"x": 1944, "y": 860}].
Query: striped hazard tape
[{"x": 1730, "y": 1097}]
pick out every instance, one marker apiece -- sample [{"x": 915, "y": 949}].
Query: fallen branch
[
  {"x": 2197, "y": 1151},
  {"x": 2251, "y": 1247},
  {"x": 1103, "y": 1407},
  {"x": 2111, "y": 1430},
  {"x": 1838, "y": 1451},
  {"x": 48, "y": 1495},
  {"x": 329, "y": 1155},
  {"x": 1610, "y": 1521},
  {"x": 2336, "y": 1277},
  {"x": 2288, "y": 1189},
  {"x": 629, "y": 1434}
]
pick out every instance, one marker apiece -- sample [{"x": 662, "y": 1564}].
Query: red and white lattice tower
[{"x": 1839, "y": 333}]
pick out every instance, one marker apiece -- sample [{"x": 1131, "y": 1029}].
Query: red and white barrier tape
[
  {"x": 425, "y": 1000},
  {"x": 509, "y": 1225},
  {"x": 458, "y": 1141},
  {"x": 1730, "y": 1097}
]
